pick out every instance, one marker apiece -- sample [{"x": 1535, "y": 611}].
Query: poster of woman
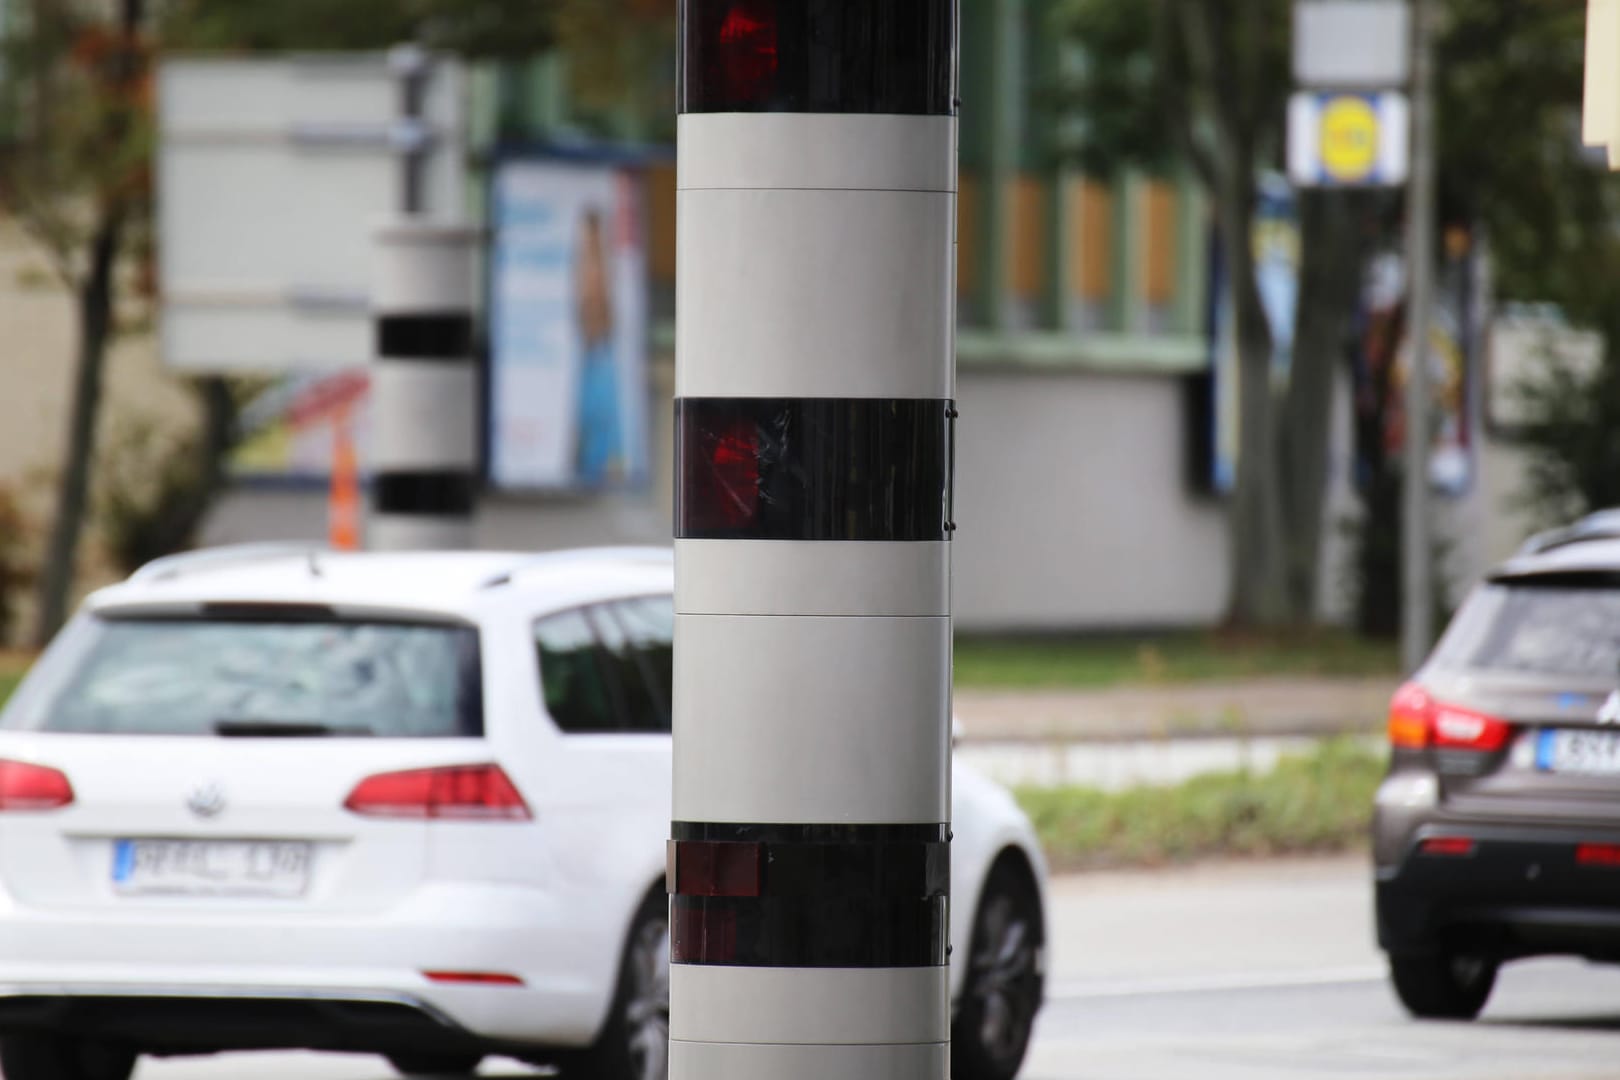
[{"x": 568, "y": 328}]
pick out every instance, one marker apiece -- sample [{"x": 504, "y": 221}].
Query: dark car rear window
[
  {"x": 1564, "y": 625},
  {"x": 256, "y": 676}
]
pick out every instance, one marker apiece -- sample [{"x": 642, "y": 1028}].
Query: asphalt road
[{"x": 1254, "y": 970}]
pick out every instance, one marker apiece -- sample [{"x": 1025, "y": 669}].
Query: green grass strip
[
  {"x": 1089, "y": 662},
  {"x": 1320, "y": 801}
]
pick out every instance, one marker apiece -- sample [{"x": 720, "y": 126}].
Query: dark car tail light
[
  {"x": 24, "y": 786},
  {"x": 1417, "y": 721},
  {"x": 1598, "y": 855},
  {"x": 455, "y": 792}
]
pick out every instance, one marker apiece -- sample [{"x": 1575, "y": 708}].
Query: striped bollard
[
  {"x": 424, "y": 387},
  {"x": 809, "y": 859}
]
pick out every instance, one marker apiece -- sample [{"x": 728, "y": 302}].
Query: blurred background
[
  {"x": 188, "y": 190},
  {"x": 165, "y": 381}
]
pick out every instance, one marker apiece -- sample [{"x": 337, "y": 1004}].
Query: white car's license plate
[
  {"x": 1577, "y": 750},
  {"x": 211, "y": 867}
]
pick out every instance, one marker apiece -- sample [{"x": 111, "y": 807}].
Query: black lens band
[
  {"x": 812, "y": 896},
  {"x": 427, "y": 492},
  {"x": 813, "y": 468},
  {"x": 430, "y": 336},
  {"x": 821, "y": 56}
]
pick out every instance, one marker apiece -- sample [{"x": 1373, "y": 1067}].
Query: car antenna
[{"x": 314, "y": 563}]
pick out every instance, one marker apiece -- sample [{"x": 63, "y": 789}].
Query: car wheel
[
  {"x": 634, "y": 1044},
  {"x": 57, "y": 1057},
  {"x": 1001, "y": 992},
  {"x": 1443, "y": 985},
  {"x": 435, "y": 1064}
]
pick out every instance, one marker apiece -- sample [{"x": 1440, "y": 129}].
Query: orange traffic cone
[{"x": 343, "y": 505}]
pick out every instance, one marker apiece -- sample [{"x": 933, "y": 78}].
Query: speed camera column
[
  {"x": 424, "y": 387},
  {"x": 809, "y": 858}
]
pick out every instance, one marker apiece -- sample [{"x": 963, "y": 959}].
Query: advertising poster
[
  {"x": 1276, "y": 266},
  {"x": 291, "y": 429},
  {"x": 1455, "y": 336},
  {"x": 567, "y": 328}
]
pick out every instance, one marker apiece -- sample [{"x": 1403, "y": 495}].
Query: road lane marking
[{"x": 1089, "y": 989}]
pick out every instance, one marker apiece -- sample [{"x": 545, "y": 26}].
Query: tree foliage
[
  {"x": 74, "y": 173},
  {"x": 77, "y": 157},
  {"x": 1510, "y": 78},
  {"x": 1204, "y": 85},
  {"x": 1572, "y": 435},
  {"x": 490, "y": 28}
]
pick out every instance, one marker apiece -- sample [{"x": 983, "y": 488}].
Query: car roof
[
  {"x": 453, "y": 582},
  {"x": 1589, "y": 554}
]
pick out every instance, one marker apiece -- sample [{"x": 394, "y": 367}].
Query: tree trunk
[
  {"x": 96, "y": 311},
  {"x": 187, "y": 494},
  {"x": 95, "y": 330},
  {"x": 1378, "y": 548},
  {"x": 1258, "y": 593},
  {"x": 1333, "y": 250}
]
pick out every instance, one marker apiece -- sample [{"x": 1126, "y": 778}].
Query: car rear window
[
  {"x": 1555, "y": 625},
  {"x": 255, "y": 676}
]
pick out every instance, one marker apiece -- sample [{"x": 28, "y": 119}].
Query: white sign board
[
  {"x": 1348, "y": 139},
  {"x": 272, "y": 175},
  {"x": 1345, "y": 43}
]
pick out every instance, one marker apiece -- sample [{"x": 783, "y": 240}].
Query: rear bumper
[
  {"x": 326, "y": 982},
  {"x": 1519, "y": 892},
  {"x": 231, "y": 1018}
]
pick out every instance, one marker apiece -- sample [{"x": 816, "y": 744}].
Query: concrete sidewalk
[{"x": 1251, "y": 707}]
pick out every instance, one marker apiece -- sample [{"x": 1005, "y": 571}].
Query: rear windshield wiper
[{"x": 289, "y": 729}]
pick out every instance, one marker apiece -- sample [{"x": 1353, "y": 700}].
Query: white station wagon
[{"x": 412, "y": 805}]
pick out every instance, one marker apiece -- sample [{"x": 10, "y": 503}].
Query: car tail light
[
  {"x": 1598, "y": 854},
  {"x": 473, "y": 978},
  {"x": 1447, "y": 845},
  {"x": 24, "y": 786},
  {"x": 1417, "y": 721},
  {"x": 1409, "y": 717},
  {"x": 455, "y": 792}
]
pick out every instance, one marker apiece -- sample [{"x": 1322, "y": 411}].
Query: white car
[{"x": 413, "y": 805}]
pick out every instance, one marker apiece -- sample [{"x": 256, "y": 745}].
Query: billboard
[{"x": 568, "y": 390}]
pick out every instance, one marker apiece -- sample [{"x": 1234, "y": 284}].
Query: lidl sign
[{"x": 1347, "y": 139}]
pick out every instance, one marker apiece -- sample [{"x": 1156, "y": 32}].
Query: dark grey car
[{"x": 1497, "y": 831}]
